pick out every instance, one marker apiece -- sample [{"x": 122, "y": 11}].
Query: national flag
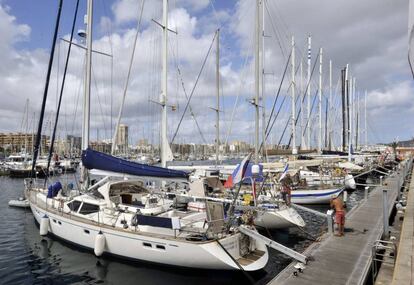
[
  {"x": 285, "y": 170},
  {"x": 241, "y": 169}
]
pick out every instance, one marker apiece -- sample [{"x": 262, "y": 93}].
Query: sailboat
[
  {"x": 270, "y": 214},
  {"x": 315, "y": 195},
  {"x": 126, "y": 219},
  {"x": 337, "y": 178}
]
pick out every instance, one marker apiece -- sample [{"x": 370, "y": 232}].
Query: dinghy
[{"x": 20, "y": 203}]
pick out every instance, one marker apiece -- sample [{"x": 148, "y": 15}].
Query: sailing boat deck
[{"x": 251, "y": 257}]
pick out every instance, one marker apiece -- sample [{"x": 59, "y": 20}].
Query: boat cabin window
[
  {"x": 153, "y": 200},
  {"x": 88, "y": 209},
  {"x": 126, "y": 199},
  {"x": 74, "y": 205},
  {"x": 17, "y": 159}
]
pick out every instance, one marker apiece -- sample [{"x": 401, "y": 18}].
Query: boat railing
[
  {"x": 34, "y": 183},
  {"x": 212, "y": 228}
]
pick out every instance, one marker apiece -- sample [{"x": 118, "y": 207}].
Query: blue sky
[{"x": 370, "y": 36}]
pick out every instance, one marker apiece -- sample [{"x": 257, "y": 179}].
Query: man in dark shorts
[{"x": 338, "y": 206}]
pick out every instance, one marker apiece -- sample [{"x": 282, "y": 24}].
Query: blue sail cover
[{"x": 92, "y": 159}]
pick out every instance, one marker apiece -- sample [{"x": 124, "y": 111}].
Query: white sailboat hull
[
  {"x": 313, "y": 178},
  {"x": 279, "y": 219},
  {"x": 206, "y": 255},
  {"x": 315, "y": 196}
]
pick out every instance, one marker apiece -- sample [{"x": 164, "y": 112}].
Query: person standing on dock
[{"x": 338, "y": 206}]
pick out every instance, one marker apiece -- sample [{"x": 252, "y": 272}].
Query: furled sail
[
  {"x": 92, "y": 159},
  {"x": 168, "y": 151}
]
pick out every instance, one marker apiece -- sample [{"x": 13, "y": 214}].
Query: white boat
[
  {"x": 123, "y": 219},
  {"x": 109, "y": 222},
  {"x": 278, "y": 217},
  {"x": 67, "y": 165},
  {"x": 20, "y": 203},
  {"x": 18, "y": 161},
  {"x": 316, "y": 196},
  {"x": 314, "y": 178},
  {"x": 269, "y": 214}
]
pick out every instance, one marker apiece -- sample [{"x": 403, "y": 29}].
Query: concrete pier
[
  {"x": 347, "y": 260},
  {"x": 404, "y": 265}
]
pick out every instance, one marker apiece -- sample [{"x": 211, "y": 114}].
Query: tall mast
[
  {"x": 218, "y": 96},
  {"x": 329, "y": 119},
  {"x": 343, "y": 95},
  {"x": 365, "y": 119},
  {"x": 26, "y": 114},
  {"x": 308, "y": 91},
  {"x": 33, "y": 131},
  {"x": 163, "y": 99},
  {"x": 349, "y": 79},
  {"x": 354, "y": 114},
  {"x": 347, "y": 103},
  {"x": 320, "y": 102},
  {"x": 87, "y": 90},
  {"x": 302, "y": 113},
  {"x": 42, "y": 112},
  {"x": 257, "y": 80},
  {"x": 357, "y": 138},
  {"x": 263, "y": 79},
  {"x": 292, "y": 88}
]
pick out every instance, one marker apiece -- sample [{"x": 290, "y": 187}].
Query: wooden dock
[{"x": 347, "y": 260}]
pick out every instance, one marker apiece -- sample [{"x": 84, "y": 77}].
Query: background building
[
  {"x": 122, "y": 138},
  {"x": 17, "y": 142}
]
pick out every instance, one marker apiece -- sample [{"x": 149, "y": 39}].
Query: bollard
[
  {"x": 385, "y": 213},
  {"x": 381, "y": 180},
  {"x": 329, "y": 216},
  {"x": 345, "y": 196},
  {"x": 366, "y": 193}
]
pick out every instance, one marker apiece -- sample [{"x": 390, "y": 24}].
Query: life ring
[{"x": 338, "y": 171}]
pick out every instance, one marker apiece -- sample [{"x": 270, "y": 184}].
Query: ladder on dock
[{"x": 277, "y": 246}]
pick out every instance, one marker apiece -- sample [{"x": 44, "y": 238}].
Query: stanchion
[
  {"x": 366, "y": 193},
  {"x": 329, "y": 217},
  {"x": 385, "y": 212}
]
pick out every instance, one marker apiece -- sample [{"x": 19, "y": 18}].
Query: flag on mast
[
  {"x": 285, "y": 170},
  {"x": 241, "y": 170}
]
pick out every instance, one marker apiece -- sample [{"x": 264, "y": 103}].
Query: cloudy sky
[{"x": 370, "y": 36}]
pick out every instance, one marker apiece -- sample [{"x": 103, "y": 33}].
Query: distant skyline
[{"x": 369, "y": 35}]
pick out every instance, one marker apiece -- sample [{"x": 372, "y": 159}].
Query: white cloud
[
  {"x": 369, "y": 36},
  {"x": 125, "y": 10}
]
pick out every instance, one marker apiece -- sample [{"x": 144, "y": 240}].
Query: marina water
[{"x": 28, "y": 258}]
